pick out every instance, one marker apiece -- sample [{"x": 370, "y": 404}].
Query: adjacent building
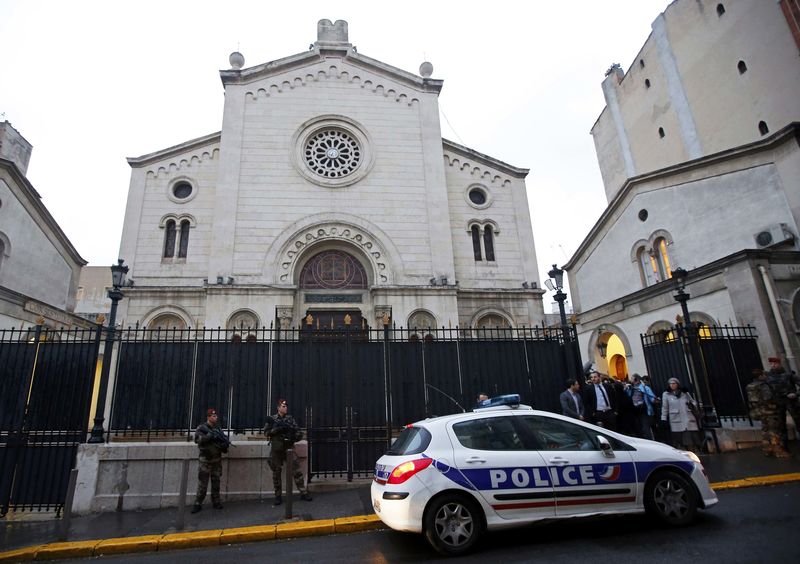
[
  {"x": 39, "y": 267},
  {"x": 329, "y": 191},
  {"x": 699, "y": 150}
]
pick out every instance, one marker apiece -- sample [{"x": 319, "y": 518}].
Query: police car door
[
  {"x": 584, "y": 479},
  {"x": 497, "y": 461}
]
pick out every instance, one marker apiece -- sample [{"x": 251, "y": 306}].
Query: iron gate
[
  {"x": 46, "y": 379},
  {"x": 352, "y": 389},
  {"x": 727, "y": 357}
]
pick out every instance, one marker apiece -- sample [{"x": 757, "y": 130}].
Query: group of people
[
  {"x": 633, "y": 408},
  {"x": 771, "y": 395},
  {"x": 282, "y": 431}
]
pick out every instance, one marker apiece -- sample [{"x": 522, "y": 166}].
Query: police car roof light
[{"x": 507, "y": 399}]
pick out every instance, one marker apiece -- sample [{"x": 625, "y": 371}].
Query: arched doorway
[
  {"x": 333, "y": 286},
  {"x": 611, "y": 351}
]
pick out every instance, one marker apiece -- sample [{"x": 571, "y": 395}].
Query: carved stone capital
[
  {"x": 285, "y": 315},
  {"x": 383, "y": 315}
]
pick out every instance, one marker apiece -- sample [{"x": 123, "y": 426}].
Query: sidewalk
[{"x": 336, "y": 507}]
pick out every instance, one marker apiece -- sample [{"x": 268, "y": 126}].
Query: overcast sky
[{"x": 91, "y": 83}]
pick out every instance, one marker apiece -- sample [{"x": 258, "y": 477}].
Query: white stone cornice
[
  {"x": 480, "y": 165},
  {"x": 194, "y": 145}
]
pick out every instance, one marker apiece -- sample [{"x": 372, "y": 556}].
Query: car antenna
[{"x": 448, "y": 397}]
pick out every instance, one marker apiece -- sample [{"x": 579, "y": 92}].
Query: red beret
[
  {"x": 773, "y": 359},
  {"x": 211, "y": 411}
]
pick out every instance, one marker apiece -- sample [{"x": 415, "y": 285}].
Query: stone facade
[
  {"x": 39, "y": 267},
  {"x": 703, "y": 196},
  {"x": 331, "y": 152},
  {"x": 706, "y": 77}
]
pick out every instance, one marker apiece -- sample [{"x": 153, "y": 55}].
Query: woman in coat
[{"x": 682, "y": 423}]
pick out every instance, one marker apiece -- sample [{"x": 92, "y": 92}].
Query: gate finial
[
  {"x": 347, "y": 319},
  {"x": 309, "y": 319}
]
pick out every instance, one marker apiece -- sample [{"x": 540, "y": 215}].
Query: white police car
[{"x": 506, "y": 465}]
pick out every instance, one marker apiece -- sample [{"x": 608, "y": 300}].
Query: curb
[{"x": 216, "y": 537}]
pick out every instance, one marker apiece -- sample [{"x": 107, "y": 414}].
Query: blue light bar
[{"x": 507, "y": 399}]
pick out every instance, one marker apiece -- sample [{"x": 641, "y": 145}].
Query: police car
[{"x": 505, "y": 464}]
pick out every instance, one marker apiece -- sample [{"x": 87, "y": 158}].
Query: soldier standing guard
[
  {"x": 764, "y": 406},
  {"x": 211, "y": 451},
  {"x": 282, "y": 431}
]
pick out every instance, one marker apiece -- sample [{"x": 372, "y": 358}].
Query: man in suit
[
  {"x": 571, "y": 401},
  {"x": 599, "y": 400}
]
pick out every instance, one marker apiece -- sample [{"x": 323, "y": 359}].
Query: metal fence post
[{"x": 289, "y": 466}]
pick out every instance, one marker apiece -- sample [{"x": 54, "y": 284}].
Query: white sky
[{"x": 90, "y": 83}]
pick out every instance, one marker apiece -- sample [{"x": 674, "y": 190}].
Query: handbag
[{"x": 694, "y": 409}]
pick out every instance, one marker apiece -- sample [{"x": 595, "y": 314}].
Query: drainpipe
[{"x": 787, "y": 349}]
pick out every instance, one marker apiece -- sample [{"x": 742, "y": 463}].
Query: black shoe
[
  {"x": 306, "y": 496},
  {"x": 278, "y": 500},
  {"x": 196, "y": 508},
  {"x": 217, "y": 505}
]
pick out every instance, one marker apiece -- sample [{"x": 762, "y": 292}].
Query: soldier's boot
[
  {"x": 218, "y": 504},
  {"x": 278, "y": 500},
  {"x": 197, "y": 507},
  {"x": 781, "y": 453},
  {"x": 305, "y": 496}
]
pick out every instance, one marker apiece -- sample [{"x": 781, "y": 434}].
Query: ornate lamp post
[
  {"x": 696, "y": 370},
  {"x": 118, "y": 272},
  {"x": 556, "y": 283}
]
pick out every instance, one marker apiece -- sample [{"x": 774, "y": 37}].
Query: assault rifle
[
  {"x": 219, "y": 437},
  {"x": 280, "y": 427}
]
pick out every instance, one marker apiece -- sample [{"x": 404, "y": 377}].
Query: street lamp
[
  {"x": 556, "y": 283},
  {"x": 118, "y": 272},
  {"x": 696, "y": 371},
  {"x": 602, "y": 348}
]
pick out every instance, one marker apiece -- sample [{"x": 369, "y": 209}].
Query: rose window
[{"x": 332, "y": 153}]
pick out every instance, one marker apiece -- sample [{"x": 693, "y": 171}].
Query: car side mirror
[{"x": 605, "y": 446}]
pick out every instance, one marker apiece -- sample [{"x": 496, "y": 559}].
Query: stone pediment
[{"x": 315, "y": 65}]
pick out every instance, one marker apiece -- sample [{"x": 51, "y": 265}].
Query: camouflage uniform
[
  {"x": 764, "y": 406},
  {"x": 785, "y": 383},
  {"x": 210, "y": 465},
  {"x": 282, "y": 435}
]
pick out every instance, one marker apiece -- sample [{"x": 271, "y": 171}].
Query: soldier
[
  {"x": 785, "y": 385},
  {"x": 282, "y": 431},
  {"x": 764, "y": 407},
  {"x": 211, "y": 450}
]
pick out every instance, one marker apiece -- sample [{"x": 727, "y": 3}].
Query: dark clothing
[
  {"x": 605, "y": 417},
  {"x": 210, "y": 464},
  {"x": 783, "y": 384},
  {"x": 765, "y": 406},
  {"x": 282, "y": 433},
  {"x": 568, "y": 406}
]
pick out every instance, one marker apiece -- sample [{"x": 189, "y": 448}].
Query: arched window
[
  {"x": 720, "y": 10},
  {"x": 333, "y": 270},
  {"x": 742, "y": 66},
  {"x": 493, "y": 326},
  {"x": 167, "y": 321},
  {"x": 488, "y": 242},
  {"x": 647, "y": 83},
  {"x": 647, "y": 266},
  {"x": 663, "y": 268},
  {"x": 418, "y": 324},
  {"x": 184, "y": 245},
  {"x": 762, "y": 128},
  {"x": 476, "y": 242},
  {"x": 661, "y": 132},
  {"x": 169, "y": 239}
]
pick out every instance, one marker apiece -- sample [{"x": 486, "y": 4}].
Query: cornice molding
[{"x": 468, "y": 159}]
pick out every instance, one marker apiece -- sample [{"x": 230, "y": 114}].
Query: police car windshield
[{"x": 413, "y": 440}]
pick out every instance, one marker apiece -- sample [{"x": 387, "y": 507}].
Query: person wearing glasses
[{"x": 282, "y": 431}]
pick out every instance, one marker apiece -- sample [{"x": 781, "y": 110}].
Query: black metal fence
[
  {"x": 727, "y": 356},
  {"x": 46, "y": 381},
  {"x": 351, "y": 388}
]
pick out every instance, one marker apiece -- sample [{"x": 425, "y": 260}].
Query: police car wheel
[
  {"x": 671, "y": 498},
  {"x": 452, "y": 524}
]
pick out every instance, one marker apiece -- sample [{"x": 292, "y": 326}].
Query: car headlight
[{"x": 691, "y": 456}]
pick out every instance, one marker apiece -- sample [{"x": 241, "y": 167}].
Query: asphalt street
[{"x": 758, "y": 525}]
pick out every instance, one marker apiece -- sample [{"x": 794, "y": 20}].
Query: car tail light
[{"x": 407, "y": 469}]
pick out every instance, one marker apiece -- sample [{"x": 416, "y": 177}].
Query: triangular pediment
[{"x": 336, "y": 55}]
